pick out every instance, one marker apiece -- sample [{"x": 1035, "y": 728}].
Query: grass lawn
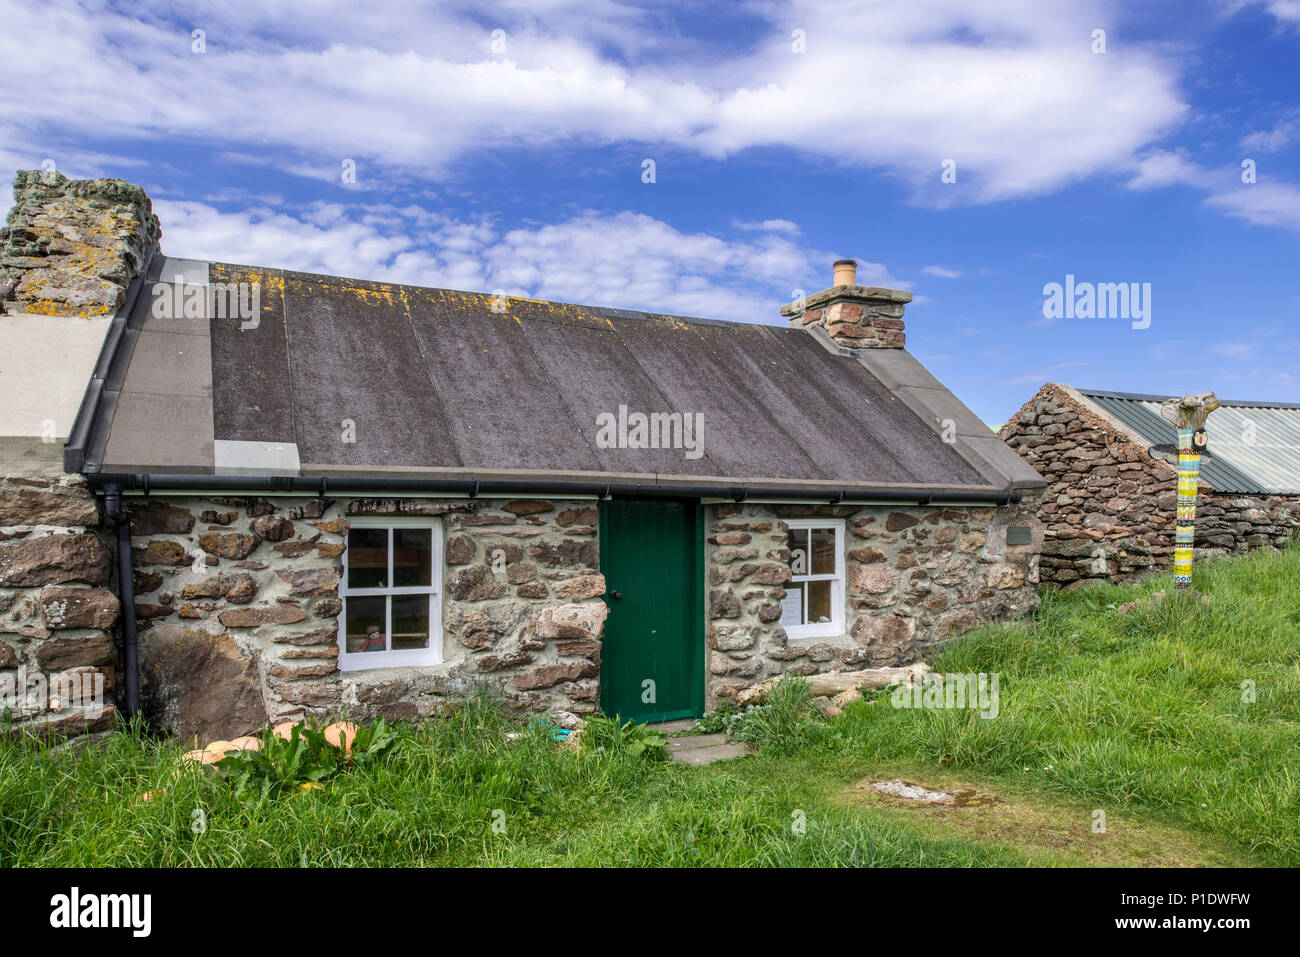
[{"x": 1141, "y": 716}]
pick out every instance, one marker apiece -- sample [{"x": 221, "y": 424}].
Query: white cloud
[
  {"x": 1286, "y": 11},
  {"x": 1283, "y": 134},
  {"x": 1260, "y": 203},
  {"x": 942, "y": 272},
  {"x": 1264, "y": 204},
  {"x": 1161, "y": 168},
  {"x": 769, "y": 225},
  {"x": 1009, "y": 91},
  {"x": 1234, "y": 350},
  {"x": 625, "y": 259}
]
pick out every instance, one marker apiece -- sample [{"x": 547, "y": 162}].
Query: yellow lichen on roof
[{"x": 369, "y": 295}]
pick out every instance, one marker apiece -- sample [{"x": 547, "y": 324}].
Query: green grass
[
  {"x": 1139, "y": 711},
  {"x": 434, "y": 802},
  {"x": 1139, "y": 715}
]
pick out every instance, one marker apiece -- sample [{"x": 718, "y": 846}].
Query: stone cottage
[
  {"x": 1110, "y": 506},
  {"x": 309, "y": 494}
]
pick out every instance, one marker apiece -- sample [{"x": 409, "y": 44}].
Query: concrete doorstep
[{"x": 699, "y": 748}]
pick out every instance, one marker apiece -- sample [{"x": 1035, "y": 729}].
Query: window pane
[
  {"x": 412, "y": 557},
  {"x": 410, "y": 622},
  {"x": 365, "y": 624},
  {"x": 792, "y": 605},
  {"x": 368, "y": 558},
  {"x": 797, "y": 540},
  {"x": 819, "y": 602},
  {"x": 823, "y": 551}
]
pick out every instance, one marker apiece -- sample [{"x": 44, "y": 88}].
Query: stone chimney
[
  {"x": 857, "y": 317},
  {"x": 72, "y": 247},
  {"x": 69, "y": 250}
]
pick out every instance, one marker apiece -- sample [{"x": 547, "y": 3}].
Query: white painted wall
[{"x": 45, "y": 364}]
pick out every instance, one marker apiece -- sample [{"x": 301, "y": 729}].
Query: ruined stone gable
[
  {"x": 72, "y": 247},
  {"x": 1109, "y": 508}
]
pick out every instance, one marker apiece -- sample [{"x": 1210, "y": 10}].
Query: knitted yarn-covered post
[
  {"x": 1189, "y": 473},
  {"x": 1188, "y": 415}
]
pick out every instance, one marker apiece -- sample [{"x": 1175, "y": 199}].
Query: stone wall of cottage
[
  {"x": 915, "y": 578},
  {"x": 58, "y": 607},
  {"x": 1110, "y": 508},
  {"x": 237, "y": 600},
  {"x": 237, "y": 603}
]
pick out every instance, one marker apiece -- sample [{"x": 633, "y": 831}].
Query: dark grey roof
[
  {"x": 342, "y": 377},
  {"x": 1254, "y": 446}
]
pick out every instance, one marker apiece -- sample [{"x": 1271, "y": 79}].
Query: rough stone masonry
[
  {"x": 855, "y": 317},
  {"x": 72, "y": 247},
  {"x": 58, "y": 605},
  {"x": 1110, "y": 508},
  {"x": 252, "y": 637},
  {"x": 915, "y": 578}
]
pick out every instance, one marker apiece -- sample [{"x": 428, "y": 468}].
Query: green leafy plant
[
  {"x": 304, "y": 760},
  {"x": 719, "y": 721},
  {"x": 600, "y": 733},
  {"x": 373, "y": 742}
]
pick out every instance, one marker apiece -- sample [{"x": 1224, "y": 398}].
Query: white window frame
[
  {"x": 408, "y": 657},
  {"x": 836, "y": 625}
]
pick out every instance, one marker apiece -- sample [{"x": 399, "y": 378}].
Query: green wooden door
[{"x": 652, "y": 661}]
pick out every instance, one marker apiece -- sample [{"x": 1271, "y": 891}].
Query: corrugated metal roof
[{"x": 1255, "y": 445}]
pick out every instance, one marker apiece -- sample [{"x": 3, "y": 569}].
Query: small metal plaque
[{"x": 1018, "y": 535}]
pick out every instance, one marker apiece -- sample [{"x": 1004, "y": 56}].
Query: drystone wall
[
  {"x": 915, "y": 578},
  {"x": 58, "y": 606},
  {"x": 238, "y": 605},
  {"x": 1109, "y": 509}
]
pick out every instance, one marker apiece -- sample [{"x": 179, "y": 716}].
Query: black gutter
[
  {"x": 473, "y": 488},
  {"x": 126, "y": 586}
]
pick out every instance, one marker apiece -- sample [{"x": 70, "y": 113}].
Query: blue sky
[{"x": 502, "y": 147}]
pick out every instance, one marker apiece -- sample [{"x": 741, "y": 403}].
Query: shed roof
[
  {"x": 340, "y": 377},
  {"x": 1254, "y": 446}
]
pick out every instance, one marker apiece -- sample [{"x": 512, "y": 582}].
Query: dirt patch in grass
[
  {"x": 1049, "y": 829},
  {"x": 904, "y": 791}
]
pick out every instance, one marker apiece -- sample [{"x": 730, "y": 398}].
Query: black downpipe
[{"x": 126, "y": 586}]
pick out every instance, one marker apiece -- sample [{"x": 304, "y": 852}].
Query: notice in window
[{"x": 792, "y": 608}]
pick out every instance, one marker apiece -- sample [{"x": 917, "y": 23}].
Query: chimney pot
[{"x": 846, "y": 272}]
